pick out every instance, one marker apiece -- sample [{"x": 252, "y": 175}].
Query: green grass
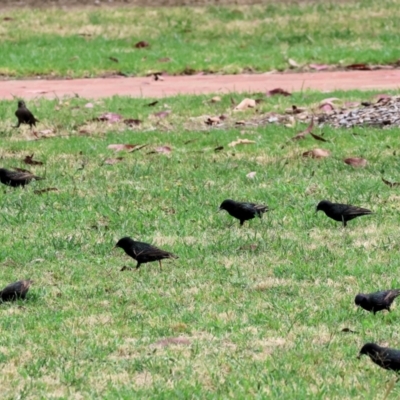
[
  {"x": 80, "y": 43},
  {"x": 262, "y": 323}
]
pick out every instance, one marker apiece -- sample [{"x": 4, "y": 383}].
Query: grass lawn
[
  {"x": 245, "y": 312},
  {"x": 101, "y": 41}
]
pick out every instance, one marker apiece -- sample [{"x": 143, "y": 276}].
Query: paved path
[{"x": 200, "y": 84}]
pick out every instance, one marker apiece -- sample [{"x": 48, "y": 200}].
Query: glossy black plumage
[
  {"x": 383, "y": 356},
  {"x": 143, "y": 252},
  {"x": 341, "y": 212},
  {"x": 16, "y": 290},
  {"x": 377, "y": 301},
  {"x": 16, "y": 178},
  {"x": 24, "y": 115},
  {"x": 243, "y": 211}
]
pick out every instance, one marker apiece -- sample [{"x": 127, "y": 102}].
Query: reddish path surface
[{"x": 200, "y": 84}]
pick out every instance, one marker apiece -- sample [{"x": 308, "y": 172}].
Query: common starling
[
  {"x": 243, "y": 211},
  {"x": 377, "y": 301},
  {"x": 143, "y": 252},
  {"x": 341, "y": 212},
  {"x": 383, "y": 356},
  {"x": 16, "y": 178},
  {"x": 16, "y": 290},
  {"x": 24, "y": 115}
]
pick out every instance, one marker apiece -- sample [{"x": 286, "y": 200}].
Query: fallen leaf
[
  {"x": 152, "y": 104},
  {"x": 132, "y": 121},
  {"x": 8, "y": 19},
  {"x": 317, "y": 153},
  {"x": 113, "y": 59},
  {"x": 251, "y": 175},
  {"x": 316, "y": 137},
  {"x": 109, "y": 117},
  {"x": 278, "y": 91},
  {"x": 215, "y": 99},
  {"x": 359, "y": 67},
  {"x": 295, "y": 110},
  {"x": 356, "y": 161},
  {"x": 173, "y": 340},
  {"x": 163, "y": 149},
  {"x": 29, "y": 160},
  {"x": 142, "y": 44},
  {"x": 348, "y": 330},
  {"x": 219, "y": 148},
  {"x": 319, "y": 67},
  {"x": 164, "y": 59},
  {"x": 245, "y": 104},
  {"x": 381, "y": 97},
  {"x": 330, "y": 100},
  {"x": 121, "y": 147},
  {"x": 112, "y": 161},
  {"x": 301, "y": 135},
  {"x": 250, "y": 247},
  {"x": 391, "y": 184},
  {"x": 292, "y": 63},
  {"x": 157, "y": 76},
  {"x": 326, "y": 107},
  {"x": 241, "y": 141},
  {"x": 162, "y": 114},
  {"x": 89, "y": 105},
  {"x": 52, "y": 189},
  {"x": 352, "y": 104},
  {"x": 212, "y": 121},
  {"x": 240, "y": 123}
]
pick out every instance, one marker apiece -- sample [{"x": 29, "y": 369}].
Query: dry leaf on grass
[
  {"x": 162, "y": 114},
  {"x": 112, "y": 161},
  {"x": 41, "y": 191},
  {"x": 212, "y": 121},
  {"x": 356, "y": 161},
  {"x": 241, "y": 141},
  {"x": 29, "y": 160},
  {"x": 110, "y": 117},
  {"x": 292, "y": 63},
  {"x": 142, "y": 44},
  {"x": 391, "y": 184},
  {"x": 245, "y": 104},
  {"x": 215, "y": 99},
  {"x": 128, "y": 147},
  {"x": 278, "y": 91},
  {"x": 317, "y": 153},
  {"x": 302, "y": 134},
  {"x": 316, "y": 137},
  {"x": 319, "y": 67},
  {"x": 251, "y": 175},
  {"x": 113, "y": 59},
  {"x": 218, "y": 148},
  {"x": 359, "y": 67},
  {"x": 89, "y": 105},
  {"x": 295, "y": 110},
  {"x": 132, "y": 122}
]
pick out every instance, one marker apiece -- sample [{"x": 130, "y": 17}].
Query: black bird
[
  {"x": 377, "y": 301},
  {"x": 341, "y": 212},
  {"x": 383, "y": 356},
  {"x": 16, "y": 290},
  {"x": 143, "y": 252},
  {"x": 243, "y": 211},
  {"x": 16, "y": 178},
  {"x": 24, "y": 115}
]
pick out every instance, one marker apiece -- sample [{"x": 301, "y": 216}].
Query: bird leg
[
  {"x": 138, "y": 265},
  {"x": 160, "y": 265}
]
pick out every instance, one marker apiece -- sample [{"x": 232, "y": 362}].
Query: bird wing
[
  {"x": 390, "y": 295},
  {"x": 254, "y": 207},
  {"x": 23, "y": 176},
  {"x": 353, "y": 210},
  {"x": 152, "y": 251}
]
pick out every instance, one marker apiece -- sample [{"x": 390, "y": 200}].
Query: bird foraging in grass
[
  {"x": 243, "y": 211},
  {"x": 341, "y": 212},
  {"x": 143, "y": 252},
  {"x": 16, "y": 178},
  {"x": 383, "y": 356},
  {"x": 377, "y": 301},
  {"x": 16, "y": 290},
  {"x": 24, "y": 115}
]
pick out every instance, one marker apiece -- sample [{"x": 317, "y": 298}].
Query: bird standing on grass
[
  {"x": 16, "y": 290},
  {"x": 341, "y": 212},
  {"x": 24, "y": 115},
  {"x": 16, "y": 178},
  {"x": 377, "y": 301},
  {"x": 143, "y": 252},
  {"x": 383, "y": 356},
  {"x": 243, "y": 211}
]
